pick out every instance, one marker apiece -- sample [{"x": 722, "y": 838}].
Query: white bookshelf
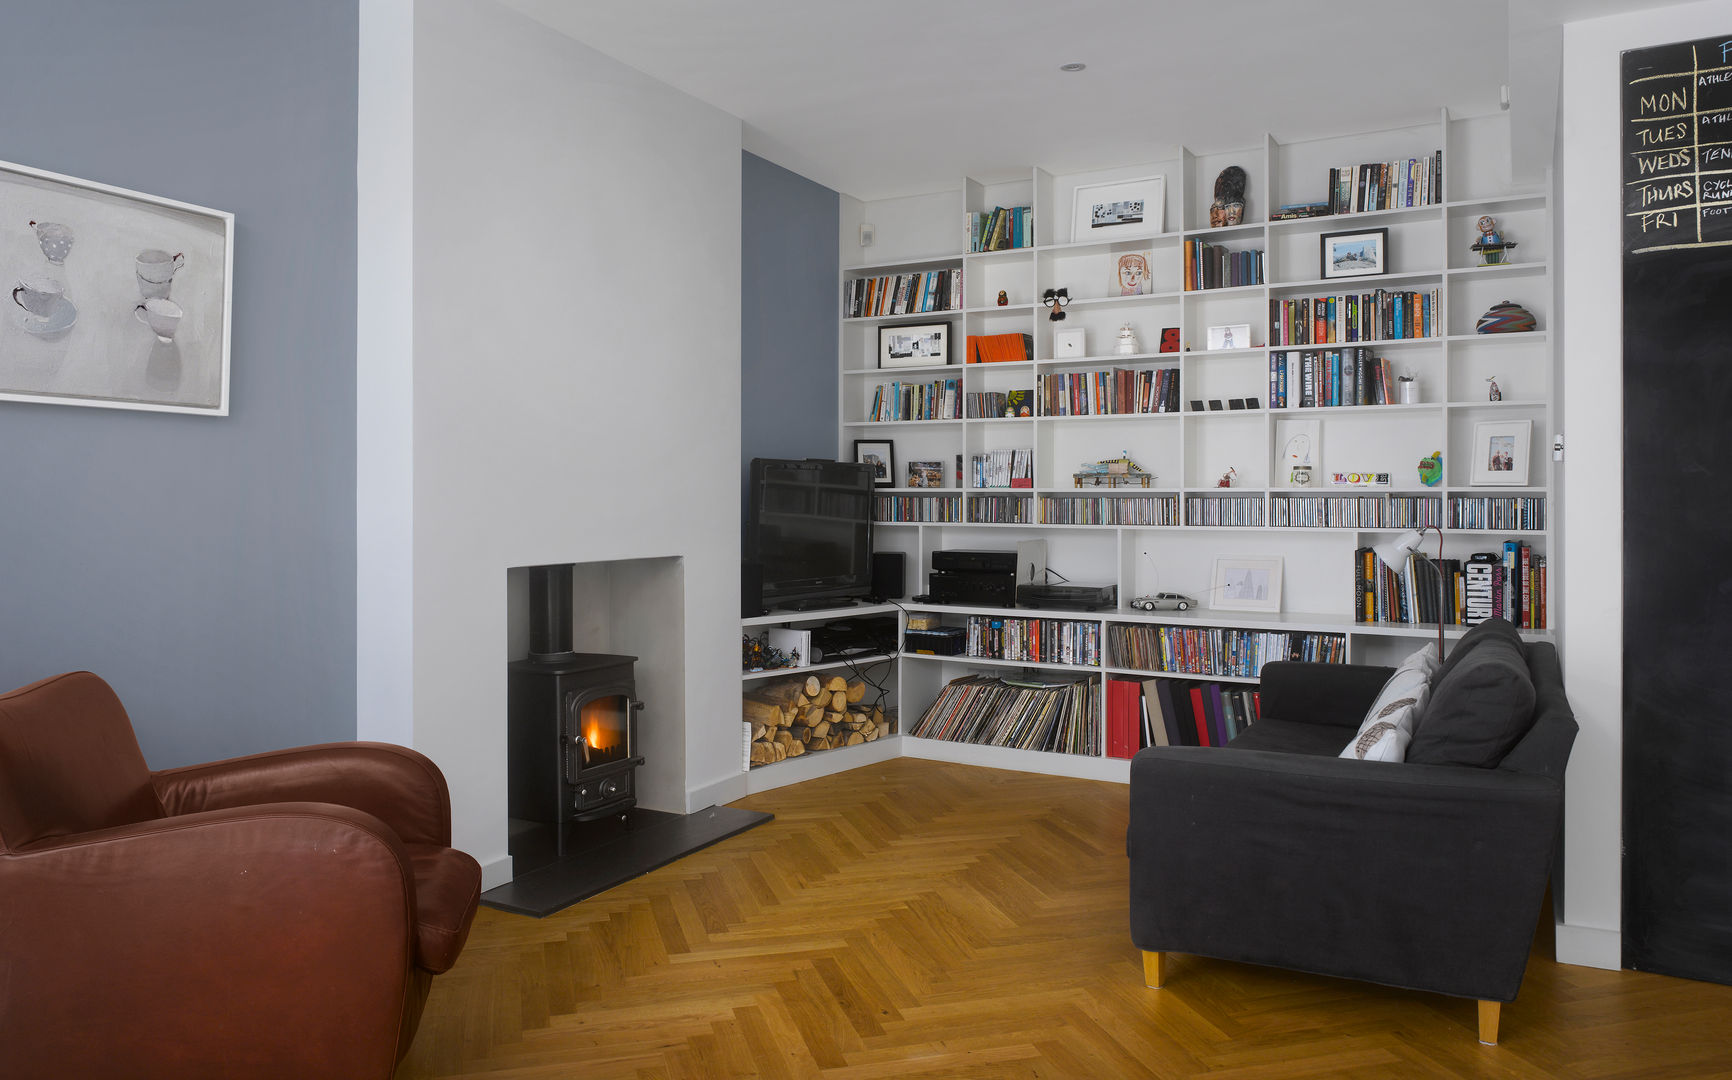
[{"x": 1428, "y": 249}]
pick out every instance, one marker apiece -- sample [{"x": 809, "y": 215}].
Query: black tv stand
[{"x": 821, "y": 604}]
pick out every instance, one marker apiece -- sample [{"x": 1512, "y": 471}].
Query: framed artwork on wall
[
  {"x": 1119, "y": 210},
  {"x": 881, "y": 455},
  {"x": 119, "y": 299},
  {"x": 920, "y": 345},
  {"x": 1247, "y": 583}
]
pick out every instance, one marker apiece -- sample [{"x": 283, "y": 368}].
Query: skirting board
[{"x": 1590, "y": 946}]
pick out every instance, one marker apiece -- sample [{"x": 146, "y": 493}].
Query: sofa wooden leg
[
  {"x": 1488, "y": 1015},
  {"x": 1155, "y": 969}
]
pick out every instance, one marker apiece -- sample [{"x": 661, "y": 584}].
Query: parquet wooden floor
[{"x": 921, "y": 919}]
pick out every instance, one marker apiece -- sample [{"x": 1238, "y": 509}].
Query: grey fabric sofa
[{"x": 1275, "y": 851}]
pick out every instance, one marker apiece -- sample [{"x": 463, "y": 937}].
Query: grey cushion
[
  {"x": 1294, "y": 737},
  {"x": 1490, "y": 630},
  {"x": 1479, "y": 709}
]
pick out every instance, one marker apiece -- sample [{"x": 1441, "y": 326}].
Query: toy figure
[
  {"x": 1227, "y": 477},
  {"x": 1492, "y": 247},
  {"x": 1003, "y": 298},
  {"x": 1496, "y": 394},
  {"x": 1431, "y": 469},
  {"x": 1056, "y": 299}
]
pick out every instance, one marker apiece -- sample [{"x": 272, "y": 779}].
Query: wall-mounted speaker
[{"x": 888, "y": 580}]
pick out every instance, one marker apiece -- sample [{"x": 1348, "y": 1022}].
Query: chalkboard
[{"x": 1677, "y": 125}]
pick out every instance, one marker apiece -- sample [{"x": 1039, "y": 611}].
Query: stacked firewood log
[{"x": 790, "y": 717}]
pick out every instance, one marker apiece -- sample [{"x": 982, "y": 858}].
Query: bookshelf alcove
[{"x": 1167, "y": 536}]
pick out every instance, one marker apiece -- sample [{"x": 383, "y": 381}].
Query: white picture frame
[
  {"x": 1500, "y": 453},
  {"x": 1231, "y": 336},
  {"x": 1246, "y": 583},
  {"x": 914, "y": 345},
  {"x": 1119, "y": 210},
  {"x": 118, "y": 299}
]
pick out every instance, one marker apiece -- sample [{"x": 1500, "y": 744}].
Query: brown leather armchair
[{"x": 278, "y": 915}]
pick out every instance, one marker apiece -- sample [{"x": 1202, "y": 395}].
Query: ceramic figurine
[
  {"x": 1492, "y": 247},
  {"x": 1127, "y": 344},
  {"x": 1003, "y": 298},
  {"x": 1227, "y": 477},
  {"x": 1229, "y": 205},
  {"x": 1056, "y": 299},
  {"x": 1431, "y": 469},
  {"x": 1496, "y": 394}
]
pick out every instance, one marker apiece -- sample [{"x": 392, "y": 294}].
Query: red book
[{"x": 1200, "y": 717}]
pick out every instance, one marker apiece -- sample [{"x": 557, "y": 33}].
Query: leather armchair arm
[
  {"x": 1423, "y": 876},
  {"x": 270, "y": 941},
  {"x": 393, "y": 783},
  {"x": 1336, "y": 694}
]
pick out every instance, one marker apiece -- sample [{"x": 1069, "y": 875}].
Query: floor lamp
[{"x": 1394, "y": 553}]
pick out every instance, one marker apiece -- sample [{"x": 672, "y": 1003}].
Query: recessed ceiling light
[{"x": 1072, "y": 67}]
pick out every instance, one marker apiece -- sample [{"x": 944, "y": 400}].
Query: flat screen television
[{"x": 810, "y": 531}]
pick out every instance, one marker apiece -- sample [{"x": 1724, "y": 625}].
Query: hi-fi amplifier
[
  {"x": 963, "y": 587},
  {"x": 982, "y": 562}
]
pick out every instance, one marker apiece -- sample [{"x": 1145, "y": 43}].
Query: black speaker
[
  {"x": 887, "y": 575},
  {"x": 751, "y": 588}
]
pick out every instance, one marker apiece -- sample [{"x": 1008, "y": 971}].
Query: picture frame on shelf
[
  {"x": 121, "y": 300},
  {"x": 1133, "y": 273},
  {"x": 1500, "y": 453},
  {"x": 914, "y": 345},
  {"x": 1247, "y": 583},
  {"x": 1233, "y": 336},
  {"x": 926, "y": 474},
  {"x": 1359, "y": 253},
  {"x": 881, "y": 455},
  {"x": 1119, "y": 210}
]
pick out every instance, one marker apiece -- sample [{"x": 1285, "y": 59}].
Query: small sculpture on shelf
[
  {"x": 1496, "y": 392},
  {"x": 1003, "y": 298},
  {"x": 1113, "y": 472},
  {"x": 1127, "y": 343},
  {"x": 1492, "y": 247},
  {"x": 1431, "y": 469},
  {"x": 1228, "y": 477},
  {"x": 1056, "y": 299},
  {"x": 1507, "y": 317},
  {"x": 756, "y": 654},
  {"x": 1229, "y": 205}
]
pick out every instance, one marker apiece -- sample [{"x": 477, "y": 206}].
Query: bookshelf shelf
[{"x": 1188, "y": 450}]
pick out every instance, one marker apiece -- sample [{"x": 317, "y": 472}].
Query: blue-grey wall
[
  {"x": 789, "y": 306},
  {"x": 204, "y": 566}
]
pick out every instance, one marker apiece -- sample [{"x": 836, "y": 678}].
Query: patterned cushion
[{"x": 1388, "y": 724}]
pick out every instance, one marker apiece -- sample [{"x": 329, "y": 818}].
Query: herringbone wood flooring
[{"x": 920, "y": 919}]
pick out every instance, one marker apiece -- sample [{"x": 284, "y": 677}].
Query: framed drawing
[
  {"x": 1247, "y": 583},
  {"x": 924, "y": 345},
  {"x": 1361, "y": 253},
  {"x": 119, "y": 299},
  {"x": 1119, "y": 210},
  {"x": 881, "y": 455},
  {"x": 1500, "y": 453},
  {"x": 1132, "y": 274}
]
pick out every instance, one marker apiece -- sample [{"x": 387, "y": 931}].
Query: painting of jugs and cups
[{"x": 115, "y": 298}]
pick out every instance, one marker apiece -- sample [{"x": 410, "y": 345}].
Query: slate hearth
[{"x": 555, "y": 865}]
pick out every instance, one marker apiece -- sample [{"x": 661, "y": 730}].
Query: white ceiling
[{"x": 891, "y": 97}]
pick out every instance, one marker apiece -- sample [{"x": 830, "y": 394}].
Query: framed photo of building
[
  {"x": 1500, "y": 453},
  {"x": 923, "y": 345},
  {"x": 1361, "y": 253},
  {"x": 119, "y": 299},
  {"x": 1119, "y": 210}
]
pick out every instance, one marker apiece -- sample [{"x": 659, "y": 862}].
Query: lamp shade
[{"x": 1396, "y": 549}]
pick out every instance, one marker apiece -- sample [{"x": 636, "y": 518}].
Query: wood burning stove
[{"x": 571, "y": 718}]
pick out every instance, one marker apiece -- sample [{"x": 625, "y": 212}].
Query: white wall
[
  {"x": 576, "y": 394},
  {"x": 1592, "y": 347}
]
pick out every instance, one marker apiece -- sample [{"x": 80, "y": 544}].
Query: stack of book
[
  {"x": 1386, "y": 185},
  {"x": 1218, "y": 650},
  {"x": 940, "y": 399},
  {"x": 1210, "y": 267},
  {"x": 990, "y": 404},
  {"x": 1000, "y": 348},
  {"x": 1000, "y": 510},
  {"x": 1040, "y": 641},
  {"x": 1345, "y": 318},
  {"x": 1295, "y": 211},
  {"x": 1118, "y": 392},
  {"x": 1001, "y": 228},
  {"x": 1059, "y": 717},
  {"x": 1330, "y": 377},
  {"x": 1509, "y": 583},
  {"x": 1175, "y": 712},
  {"x": 902, "y": 294}
]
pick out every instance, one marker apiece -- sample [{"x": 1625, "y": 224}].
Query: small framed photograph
[
  {"x": 1119, "y": 210},
  {"x": 1215, "y": 405},
  {"x": 1197, "y": 405},
  {"x": 1500, "y": 453},
  {"x": 1253, "y": 403},
  {"x": 881, "y": 455},
  {"x": 1131, "y": 274},
  {"x": 1361, "y": 253},
  {"x": 922, "y": 345},
  {"x": 1247, "y": 583},
  {"x": 1235, "y": 404},
  {"x": 926, "y": 474},
  {"x": 1236, "y": 336}
]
